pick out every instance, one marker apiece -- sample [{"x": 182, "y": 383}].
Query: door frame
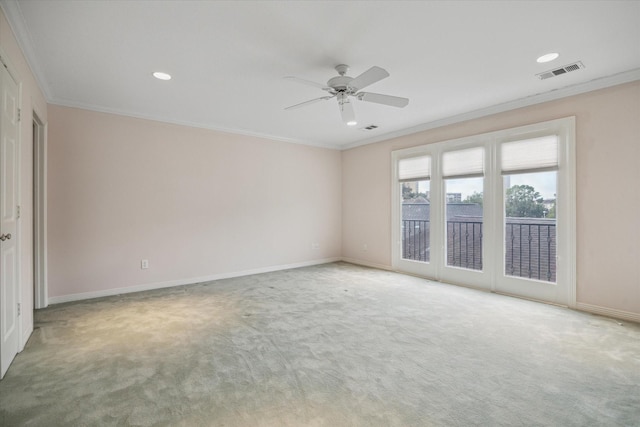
[
  {"x": 487, "y": 279},
  {"x": 418, "y": 268},
  {"x": 41, "y": 298},
  {"x": 4, "y": 61},
  {"x": 566, "y": 218}
]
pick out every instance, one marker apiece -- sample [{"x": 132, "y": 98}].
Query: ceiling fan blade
[
  {"x": 307, "y": 82},
  {"x": 372, "y": 75},
  {"x": 394, "y": 101},
  {"x": 346, "y": 111},
  {"x": 312, "y": 101}
]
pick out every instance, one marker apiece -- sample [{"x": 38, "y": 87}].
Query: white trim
[
  {"x": 40, "y": 263},
  {"x": 604, "y": 311},
  {"x": 491, "y": 276},
  {"x": 18, "y": 25},
  {"x": 419, "y": 268},
  {"x": 561, "y": 293},
  {"x": 577, "y": 89},
  {"x": 214, "y": 127},
  {"x": 23, "y": 38},
  {"x": 601, "y": 83},
  {"x": 570, "y": 218},
  {"x": 180, "y": 282},
  {"x": 23, "y": 338},
  {"x": 366, "y": 264},
  {"x": 609, "y": 312},
  {"x": 23, "y": 334}
]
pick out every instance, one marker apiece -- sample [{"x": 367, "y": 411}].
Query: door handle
[{"x": 5, "y": 237}]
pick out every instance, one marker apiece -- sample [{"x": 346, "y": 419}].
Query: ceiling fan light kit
[
  {"x": 343, "y": 87},
  {"x": 346, "y": 110}
]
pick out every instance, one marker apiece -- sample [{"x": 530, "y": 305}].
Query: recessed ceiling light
[
  {"x": 548, "y": 57},
  {"x": 161, "y": 76},
  {"x": 352, "y": 123}
]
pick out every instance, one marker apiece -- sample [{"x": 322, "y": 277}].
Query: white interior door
[{"x": 9, "y": 289}]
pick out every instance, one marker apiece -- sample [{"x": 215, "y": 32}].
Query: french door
[
  {"x": 413, "y": 215},
  {"x": 493, "y": 211},
  {"x": 537, "y": 215}
]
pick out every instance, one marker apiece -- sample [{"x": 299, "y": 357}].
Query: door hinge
[
  {"x": 18, "y": 309},
  {"x": 19, "y": 114},
  {"x": 17, "y": 212}
]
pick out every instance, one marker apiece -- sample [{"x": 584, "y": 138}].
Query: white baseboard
[
  {"x": 596, "y": 309},
  {"x": 610, "y": 312},
  {"x": 159, "y": 285},
  {"x": 367, "y": 264}
]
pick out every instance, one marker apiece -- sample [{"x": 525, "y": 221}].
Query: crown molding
[
  {"x": 15, "y": 18},
  {"x": 118, "y": 112},
  {"x": 18, "y": 25},
  {"x": 600, "y": 83}
]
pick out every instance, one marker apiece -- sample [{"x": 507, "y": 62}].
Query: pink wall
[
  {"x": 198, "y": 203},
  {"x": 608, "y": 195},
  {"x": 31, "y": 100},
  {"x": 194, "y": 202}
]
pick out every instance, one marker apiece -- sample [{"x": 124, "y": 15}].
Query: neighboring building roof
[
  {"x": 419, "y": 210},
  {"x": 464, "y": 210},
  {"x": 415, "y": 211}
]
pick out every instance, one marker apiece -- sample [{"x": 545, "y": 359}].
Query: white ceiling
[{"x": 454, "y": 60}]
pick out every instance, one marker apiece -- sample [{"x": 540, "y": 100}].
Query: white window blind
[
  {"x": 463, "y": 163},
  {"x": 414, "y": 168},
  {"x": 530, "y": 155}
]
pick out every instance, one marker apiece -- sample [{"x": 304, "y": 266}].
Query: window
[
  {"x": 413, "y": 175},
  {"x": 494, "y": 211},
  {"x": 463, "y": 172},
  {"x": 530, "y": 225},
  {"x": 528, "y": 167}
]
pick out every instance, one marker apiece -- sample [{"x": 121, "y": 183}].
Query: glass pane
[
  {"x": 464, "y": 222},
  {"x": 415, "y": 220},
  {"x": 530, "y": 225}
]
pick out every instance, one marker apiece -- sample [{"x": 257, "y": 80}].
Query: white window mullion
[
  {"x": 538, "y": 149},
  {"x": 494, "y": 200},
  {"x": 437, "y": 212}
]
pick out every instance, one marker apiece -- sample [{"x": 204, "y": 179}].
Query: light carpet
[{"x": 329, "y": 345}]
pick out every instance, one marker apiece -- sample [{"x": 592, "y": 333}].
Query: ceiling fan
[{"x": 343, "y": 87}]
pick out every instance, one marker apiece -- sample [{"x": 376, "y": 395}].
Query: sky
[{"x": 543, "y": 182}]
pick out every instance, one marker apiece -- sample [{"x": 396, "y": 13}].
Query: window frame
[
  {"x": 419, "y": 268},
  {"x": 492, "y": 277}
]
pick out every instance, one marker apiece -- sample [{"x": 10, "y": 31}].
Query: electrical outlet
[
  {"x": 365, "y": 247},
  {"x": 315, "y": 245},
  {"x": 144, "y": 264}
]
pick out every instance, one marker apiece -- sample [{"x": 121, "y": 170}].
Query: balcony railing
[
  {"x": 415, "y": 240},
  {"x": 530, "y": 250},
  {"x": 464, "y": 244},
  {"x": 530, "y": 246}
]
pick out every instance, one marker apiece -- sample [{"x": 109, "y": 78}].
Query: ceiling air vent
[
  {"x": 370, "y": 127},
  {"x": 562, "y": 70}
]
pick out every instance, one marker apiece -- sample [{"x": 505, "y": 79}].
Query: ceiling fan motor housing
[{"x": 340, "y": 83}]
